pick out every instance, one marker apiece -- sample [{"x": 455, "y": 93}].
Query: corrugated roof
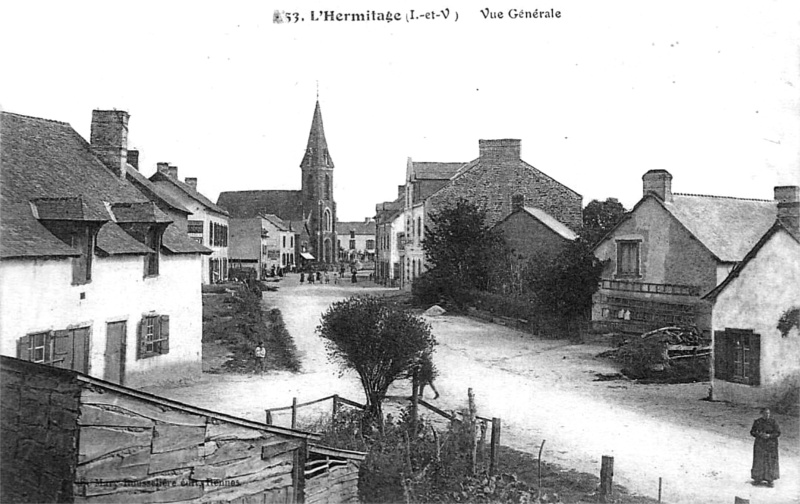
[
  {"x": 361, "y": 228},
  {"x": 434, "y": 171},
  {"x": 288, "y": 205},
  {"x": 44, "y": 159},
  {"x": 550, "y": 221},
  {"x": 728, "y": 227},
  {"x": 162, "y": 178}
]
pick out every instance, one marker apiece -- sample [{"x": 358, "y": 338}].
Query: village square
[{"x": 230, "y": 273}]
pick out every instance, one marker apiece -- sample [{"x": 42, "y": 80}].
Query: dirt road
[{"x": 542, "y": 390}]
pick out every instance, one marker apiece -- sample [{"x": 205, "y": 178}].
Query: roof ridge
[
  {"x": 722, "y": 197},
  {"x": 37, "y": 118}
]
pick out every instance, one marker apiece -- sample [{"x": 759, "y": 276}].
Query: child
[{"x": 261, "y": 357}]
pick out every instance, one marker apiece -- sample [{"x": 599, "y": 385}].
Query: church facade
[{"x": 311, "y": 211}]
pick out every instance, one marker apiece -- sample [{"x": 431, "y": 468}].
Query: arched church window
[{"x": 328, "y": 220}]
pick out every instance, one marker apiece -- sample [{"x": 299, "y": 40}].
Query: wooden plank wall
[
  {"x": 333, "y": 484},
  {"x": 134, "y": 450}
]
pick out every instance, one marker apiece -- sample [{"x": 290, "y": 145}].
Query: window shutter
[
  {"x": 49, "y": 343},
  {"x": 24, "y": 348},
  {"x": 755, "y": 359},
  {"x": 62, "y": 349},
  {"x": 720, "y": 355},
  {"x": 165, "y": 334},
  {"x": 142, "y": 343}
]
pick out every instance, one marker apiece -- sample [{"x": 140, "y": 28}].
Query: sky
[{"x": 709, "y": 91}]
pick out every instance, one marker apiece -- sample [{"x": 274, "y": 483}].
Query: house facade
[
  {"x": 389, "y": 226},
  {"x": 669, "y": 251},
  {"x": 311, "y": 210},
  {"x": 755, "y": 362},
  {"x": 207, "y": 224},
  {"x": 498, "y": 180},
  {"x": 357, "y": 241},
  {"x": 532, "y": 233},
  {"x": 92, "y": 273}
]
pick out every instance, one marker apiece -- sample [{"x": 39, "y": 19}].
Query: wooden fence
[{"x": 482, "y": 423}]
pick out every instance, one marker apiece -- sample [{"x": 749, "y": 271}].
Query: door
[{"x": 115, "y": 352}]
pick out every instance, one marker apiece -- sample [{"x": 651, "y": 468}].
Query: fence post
[
  {"x": 269, "y": 418},
  {"x": 606, "y": 478},
  {"x": 473, "y": 436},
  {"x": 494, "y": 452},
  {"x": 294, "y": 412}
]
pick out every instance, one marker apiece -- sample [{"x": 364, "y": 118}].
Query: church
[{"x": 310, "y": 212}]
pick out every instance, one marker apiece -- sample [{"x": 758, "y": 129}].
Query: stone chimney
[
  {"x": 506, "y": 149},
  {"x": 658, "y": 182},
  {"x": 191, "y": 182},
  {"x": 172, "y": 171},
  {"x": 109, "y": 139},
  {"x": 133, "y": 158},
  {"x": 788, "y": 198},
  {"x": 163, "y": 168}
]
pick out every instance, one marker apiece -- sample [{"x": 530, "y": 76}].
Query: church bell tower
[{"x": 319, "y": 208}]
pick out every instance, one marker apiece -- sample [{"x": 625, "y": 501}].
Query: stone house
[
  {"x": 754, "y": 362},
  {"x": 207, "y": 223},
  {"x": 68, "y": 437},
  {"x": 92, "y": 273},
  {"x": 670, "y": 250},
  {"x": 311, "y": 210},
  {"x": 498, "y": 180},
  {"x": 356, "y": 241},
  {"x": 532, "y": 233},
  {"x": 389, "y": 230}
]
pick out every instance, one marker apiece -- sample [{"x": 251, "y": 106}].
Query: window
[
  {"x": 737, "y": 356},
  {"x": 284, "y": 242},
  {"x": 328, "y": 220},
  {"x": 153, "y": 336},
  {"x": 628, "y": 257},
  {"x": 419, "y": 227},
  {"x": 67, "y": 349},
  {"x": 370, "y": 244},
  {"x": 291, "y": 241},
  {"x": 195, "y": 227},
  {"x": 152, "y": 240},
  {"x": 83, "y": 240},
  {"x": 352, "y": 244},
  {"x": 352, "y": 235}
]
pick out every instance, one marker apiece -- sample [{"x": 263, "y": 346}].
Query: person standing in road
[
  {"x": 765, "y": 449},
  {"x": 427, "y": 372},
  {"x": 261, "y": 358}
]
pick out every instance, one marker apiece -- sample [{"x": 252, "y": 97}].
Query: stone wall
[
  {"x": 492, "y": 184},
  {"x": 39, "y": 407}
]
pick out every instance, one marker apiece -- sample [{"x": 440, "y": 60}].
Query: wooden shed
[{"x": 68, "y": 437}]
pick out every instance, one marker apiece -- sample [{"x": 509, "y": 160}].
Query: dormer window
[{"x": 144, "y": 222}]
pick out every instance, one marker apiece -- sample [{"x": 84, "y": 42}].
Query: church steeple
[{"x": 317, "y": 154}]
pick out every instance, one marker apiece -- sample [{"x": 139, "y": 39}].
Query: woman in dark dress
[{"x": 765, "y": 449}]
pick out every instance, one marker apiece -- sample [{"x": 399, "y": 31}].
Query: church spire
[{"x": 317, "y": 155}]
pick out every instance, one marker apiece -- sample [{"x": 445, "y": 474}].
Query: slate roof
[
  {"x": 44, "y": 159},
  {"x": 74, "y": 208},
  {"x": 162, "y": 178},
  {"x": 317, "y": 153},
  {"x": 177, "y": 242},
  {"x": 277, "y": 222},
  {"x": 775, "y": 228},
  {"x": 113, "y": 240},
  {"x": 361, "y": 227},
  {"x": 550, "y": 221},
  {"x": 288, "y": 205},
  {"x": 426, "y": 170},
  {"x": 728, "y": 227},
  {"x": 154, "y": 192},
  {"x": 138, "y": 212}
]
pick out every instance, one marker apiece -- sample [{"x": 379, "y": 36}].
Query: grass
[{"x": 234, "y": 322}]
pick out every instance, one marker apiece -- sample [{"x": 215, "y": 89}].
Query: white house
[
  {"x": 208, "y": 223},
  {"x": 92, "y": 273},
  {"x": 755, "y": 361}
]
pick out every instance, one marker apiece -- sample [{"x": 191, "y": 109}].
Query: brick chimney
[
  {"x": 172, "y": 171},
  {"x": 163, "y": 168},
  {"x": 109, "y": 138},
  {"x": 788, "y": 198},
  {"x": 191, "y": 182},
  {"x": 506, "y": 149},
  {"x": 133, "y": 158},
  {"x": 658, "y": 182}
]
